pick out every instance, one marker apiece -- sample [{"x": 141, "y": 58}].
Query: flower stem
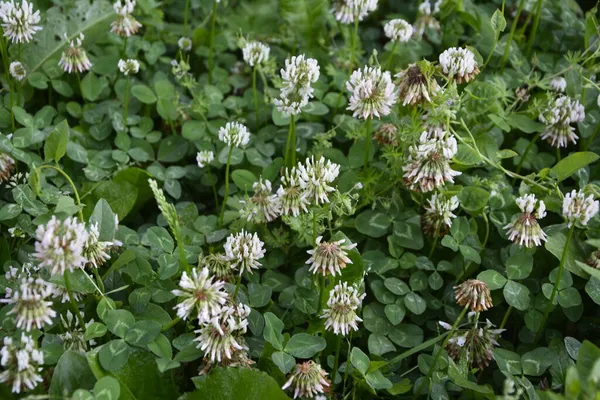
[
  {"x": 513, "y": 28},
  {"x": 255, "y": 94},
  {"x": 226, "y": 186},
  {"x": 237, "y": 287},
  {"x": 527, "y": 150},
  {"x": 391, "y": 56},
  {"x": 337, "y": 359},
  {"x": 214, "y": 188},
  {"x": 439, "y": 353},
  {"x": 534, "y": 28},
  {"x": 353, "y": 41},
  {"x": 72, "y": 300},
  {"x": 171, "y": 324},
  {"x": 186, "y": 16},
  {"x": 213, "y": 20},
  {"x": 561, "y": 268},
  {"x": 506, "y": 315},
  {"x": 126, "y": 104},
  {"x": 70, "y": 181},
  {"x": 290, "y": 148},
  {"x": 367, "y": 142},
  {"x": 347, "y": 368}
]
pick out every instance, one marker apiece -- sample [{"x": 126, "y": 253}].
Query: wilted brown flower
[
  {"x": 387, "y": 134},
  {"x": 475, "y": 294}
]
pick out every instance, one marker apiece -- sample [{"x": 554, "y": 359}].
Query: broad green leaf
[
  {"x": 284, "y": 361},
  {"x": 303, "y": 345},
  {"x": 516, "y": 295},
  {"x": 71, "y": 373},
  {"x": 107, "y": 388},
  {"x": 143, "y": 93},
  {"x": 272, "y": 331},
  {"x": 114, "y": 355},
  {"x": 573, "y": 163},
  {"x": 244, "y": 180},
  {"x": 359, "y": 360},
  {"x": 119, "y": 321},
  {"x": 56, "y": 144},
  {"x": 473, "y": 198},
  {"x": 373, "y": 223},
  {"x": 493, "y": 279}
]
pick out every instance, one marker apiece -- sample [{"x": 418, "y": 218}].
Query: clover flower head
[
  {"x": 298, "y": 75},
  {"x": 340, "y": 313},
  {"x": 428, "y": 163},
  {"x": 476, "y": 344},
  {"x": 243, "y": 250},
  {"x": 201, "y": 293},
  {"x": 558, "y": 84},
  {"x": 255, "y": 53},
  {"x": 218, "y": 264},
  {"x": 73, "y": 337},
  {"x": 125, "y": 24},
  {"x": 308, "y": 380},
  {"x": 348, "y": 11},
  {"x": 19, "y": 21},
  {"x": 29, "y": 304},
  {"x": 291, "y": 194},
  {"x": 474, "y": 294},
  {"x": 438, "y": 216},
  {"x": 329, "y": 258},
  {"x": 372, "y": 93},
  {"x": 60, "y": 245},
  {"x": 184, "y": 43},
  {"x": 459, "y": 63},
  {"x": 129, "y": 67},
  {"x": 204, "y": 157},
  {"x": 7, "y": 165},
  {"x": 594, "y": 259},
  {"x": 74, "y": 58},
  {"x": 577, "y": 207},
  {"x": 525, "y": 229},
  {"x": 558, "y": 116},
  {"x": 97, "y": 251},
  {"x": 22, "y": 363},
  {"x": 387, "y": 134},
  {"x": 398, "y": 30},
  {"x": 315, "y": 177},
  {"x": 234, "y": 134},
  {"x": 414, "y": 87},
  {"x": 263, "y": 206},
  {"x": 427, "y": 8},
  {"x": 17, "y": 70}
]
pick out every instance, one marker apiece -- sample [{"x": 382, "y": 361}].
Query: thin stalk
[
  {"x": 237, "y": 287},
  {"x": 70, "y": 181},
  {"x": 99, "y": 280},
  {"x": 506, "y": 315},
  {"x": 255, "y": 94},
  {"x": 186, "y": 16},
  {"x": 290, "y": 147},
  {"x": 171, "y": 324},
  {"x": 391, "y": 56},
  {"x": 126, "y": 104},
  {"x": 367, "y": 142},
  {"x": 72, "y": 300},
  {"x": 125, "y": 47},
  {"x": 79, "y": 84},
  {"x": 353, "y": 41},
  {"x": 527, "y": 150},
  {"x": 534, "y": 28},
  {"x": 214, "y": 188},
  {"x": 213, "y": 20},
  {"x": 347, "y": 368},
  {"x": 439, "y": 353},
  {"x": 226, "y": 185},
  {"x": 511, "y": 35},
  {"x": 434, "y": 244},
  {"x": 182, "y": 258},
  {"x": 337, "y": 359},
  {"x": 561, "y": 268},
  {"x": 591, "y": 139}
]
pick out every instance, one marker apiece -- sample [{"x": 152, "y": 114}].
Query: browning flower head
[
  {"x": 474, "y": 294},
  {"x": 459, "y": 63},
  {"x": 414, "y": 87},
  {"x": 476, "y": 344},
  {"x": 308, "y": 380},
  {"x": 524, "y": 229},
  {"x": 387, "y": 134},
  {"x": 7, "y": 165}
]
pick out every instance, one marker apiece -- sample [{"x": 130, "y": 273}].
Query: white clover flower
[
  {"x": 425, "y": 18},
  {"x": 347, "y": 11},
  {"x": 255, "y": 53},
  {"x": 200, "y": 293},
  {"x": 234, "y": 134},
  {"x": 459, "y": 63},
  {"x": 73, "y": 337},
  {"x": 558, "y": 84},
  {"x": 7, "y": 165},
  {"x": 560, "y": 113},
  {"x": 60, "y": 245},
  {"x": 204, "y": 157},
  {"x": 475, "y": 345},
  {"x": 308, "y": 380},
  {"x": 19, "y": 21},
  {"x": 244, "y": 250},
  {"x": 185, "y": 43},
  {"x": 414, "y": 87},
  {"x": 17, "y": 70},
  {"x": 398, "y": 30},
  {"x": 222, "y": 337},
  {"x": 340, "y": 313},
  {"x": 29, "y": 304},
  {"x": 125, "y": 24},
  {"x": 315, "y": 177},
  {"x": 60, "y": 292},
  {"x": 579, "y": 208},
  {"x": 96, "y": 251},
  {"x": 298, "y": 75},
  {"x": 598, "y": 101},
  {"x": 129, "y": 67},
  {"x": 429, "y": 9},
  {"x": 218, "y": 264},
  {"x": 74, "y": 58},
  {"x": 291, "y": 195},
  {"x": 428, "y": 163},
  {"x": 21, "y": 363},
  {"x": 372, "y": 93},
  {"x": 438, "y": 216},
  {"x": 263, "y": 206},
  {"x": 329, "y": 258},
  {"x": 524, "y": 229}
]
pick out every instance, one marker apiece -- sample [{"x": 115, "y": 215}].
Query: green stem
[
  {"x": 511, "y": 35},
  {"x": 125, "y": 47},
  {"x": 527, "y": 150},
  {"x": 434, "y": 244},
  {"x": 353, "y": 41},
  {"x": 561, "y": 267},
  {"x": 337, "y": 359},
  {"x": 213, "y": 20},
  {"x": 367, "y": 142},
  {"x": 506, "y": 315},
  {"x": 290, "y": 147},
  {"x": 237, "y": 287},
  {"x": 185, "y": 16},
  {"x": 348, "y": 364},
  {"x": 214, "y": 188},
  {"x": 534, "y": 28},
  {"x": 70, "y": 181},
  {"x": 126, "y": 104},
  {"x": 391, "y": 56},
  {"x": 99, "y": 280},
  {"x": 439, "y": 353},
  {"x": 72, "y": 300},
  {"x": 226, "y": 186},
  {"x": 171, "y": 324},
  {"x": 255, "y": 94},
  {"x": 591, "y": 139},
  {"x": 182, "y": 258}
]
